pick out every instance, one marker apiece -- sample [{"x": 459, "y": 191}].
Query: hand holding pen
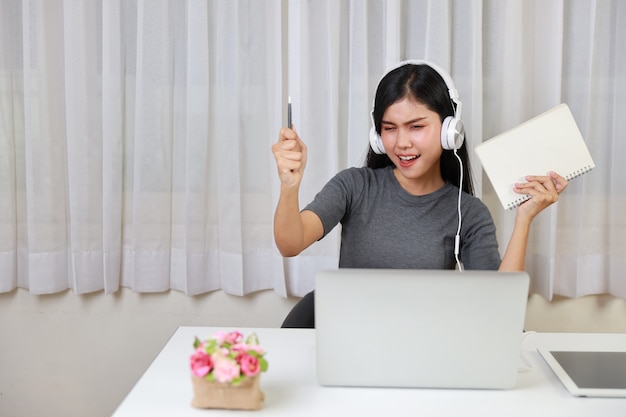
[{"x": 290, "y": 154}]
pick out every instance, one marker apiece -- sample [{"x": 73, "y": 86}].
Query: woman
[{"x": 402, "y": 209}]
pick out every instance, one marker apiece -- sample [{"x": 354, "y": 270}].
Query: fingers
[
  {"x": 560, "y": 183},
  {"x": 287, "y": 134},
  {"x": 290, "y": 155},
  {"x": 551, "y": 183},
  {"x": 538, "y": 186},
  {"x": 544, "y": 191},
  {"x": 289, "y": 145}
]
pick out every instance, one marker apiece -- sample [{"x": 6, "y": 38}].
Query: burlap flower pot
[{"x": 211, "y": 394}]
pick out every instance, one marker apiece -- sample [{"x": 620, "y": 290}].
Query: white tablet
[{"x": 589, "y": 373}]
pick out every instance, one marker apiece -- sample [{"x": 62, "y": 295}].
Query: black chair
[{"x": 302, "y": 315}]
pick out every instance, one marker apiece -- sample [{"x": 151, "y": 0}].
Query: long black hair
[{"x": 425, "y": 85}]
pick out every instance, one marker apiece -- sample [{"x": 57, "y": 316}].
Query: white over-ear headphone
[{"x": 452, "y": 129}]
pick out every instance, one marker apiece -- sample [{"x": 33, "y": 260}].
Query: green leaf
[
  {"x": 211, "y": 346},
  {"x": 263, "y": 364},
  {"x": 196, "y": 343},
  {"x": 253, "y": 339}
]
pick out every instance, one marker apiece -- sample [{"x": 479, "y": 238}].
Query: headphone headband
[{"x": 452, "y": 90}]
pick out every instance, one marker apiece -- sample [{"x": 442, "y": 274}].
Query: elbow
[
  {"x": 288, "y": 252},
  {"x": 287, "y": 245},
  {"x": 288, "y": 248}
]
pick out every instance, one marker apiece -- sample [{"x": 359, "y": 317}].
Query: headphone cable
[{"x": 457, "y": 238}]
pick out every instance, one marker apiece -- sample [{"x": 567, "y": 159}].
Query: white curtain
[{"x": 135, "y": 135}]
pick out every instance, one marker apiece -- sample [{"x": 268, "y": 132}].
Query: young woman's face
[{"x": 410, "y": 132}]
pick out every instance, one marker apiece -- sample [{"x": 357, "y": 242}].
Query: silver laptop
[
  {"x": 589, "y": 373},
  {"x": 419, "y": 328}
]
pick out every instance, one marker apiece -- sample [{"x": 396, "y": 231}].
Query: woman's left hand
[{"x": 543, "y": 190}]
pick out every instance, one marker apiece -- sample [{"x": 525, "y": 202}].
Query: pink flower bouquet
[{"x": 225, "y": 371}]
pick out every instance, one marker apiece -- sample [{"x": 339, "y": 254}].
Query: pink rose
[
  {"x": 249, "y": 364},
  {"x": 242, "y": 347},
  {"x": 239, "y": 348},
  {"x": 201, "y": 363},
  {"x": 224, "y": 369},
  {"x": 233, "y": 337},
  {"x": 219, "y": 337},
  {"x": 256, "y": 348}
]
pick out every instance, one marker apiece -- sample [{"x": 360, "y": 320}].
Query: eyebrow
[{"x": 419, "y": 119}]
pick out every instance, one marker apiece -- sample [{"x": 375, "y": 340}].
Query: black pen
[{"x": 289, "y": 112}]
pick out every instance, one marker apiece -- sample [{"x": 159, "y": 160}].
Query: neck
[{"x": 419, "y": 186}]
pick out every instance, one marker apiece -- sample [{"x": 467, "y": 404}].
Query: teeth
[{"x": 407, "y": 158}]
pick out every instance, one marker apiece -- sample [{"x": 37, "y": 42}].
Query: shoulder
[
  {"x": 360, "y": 172},
  {"x": 361, "y": 176}
]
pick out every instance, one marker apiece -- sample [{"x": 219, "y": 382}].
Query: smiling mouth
[{"x": 407, "y": 158}]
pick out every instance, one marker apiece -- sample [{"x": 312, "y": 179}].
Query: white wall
[
  {"x": 68, "y": 355},
  {"x": 590, "y": 314}
]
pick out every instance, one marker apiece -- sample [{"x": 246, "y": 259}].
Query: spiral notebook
[{"x": 548, "y": 142}]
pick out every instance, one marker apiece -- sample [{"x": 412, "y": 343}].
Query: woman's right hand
[{"x": 290, "y": 154}]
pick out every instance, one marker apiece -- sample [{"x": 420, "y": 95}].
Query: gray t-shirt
[{"x": 383, "y": 226}]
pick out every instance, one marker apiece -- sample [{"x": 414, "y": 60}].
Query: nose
[{"x": 404, "y": 139}]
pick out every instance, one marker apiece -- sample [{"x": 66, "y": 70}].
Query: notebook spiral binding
[
  {"x": 579, "y": 172},
  {"x": 568, "y": 177},
  {"x": 517, "y": 202}
]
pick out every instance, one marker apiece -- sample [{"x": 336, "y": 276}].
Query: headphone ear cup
[
  {"x": 452, "y": 133},
  {"x": 376, "y": 142}
]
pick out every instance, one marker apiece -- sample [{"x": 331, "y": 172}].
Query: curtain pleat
[{"x": 135, "y": 135}]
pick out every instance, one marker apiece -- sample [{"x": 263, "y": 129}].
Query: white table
[{"x": 291, "y": 388}]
